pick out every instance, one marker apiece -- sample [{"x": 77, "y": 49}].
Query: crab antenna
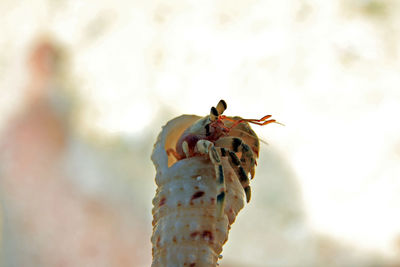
[{"x": 263, "y": 121}]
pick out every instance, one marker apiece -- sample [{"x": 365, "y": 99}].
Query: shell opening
[{"x": 168, "y": 138}]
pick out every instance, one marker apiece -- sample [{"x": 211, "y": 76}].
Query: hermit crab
[{"x": 203, "y": 166}]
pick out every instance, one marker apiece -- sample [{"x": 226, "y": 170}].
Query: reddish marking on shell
[
  {"x": 162, "y": 201},
  {"x": 197, "y": 194},
  {"x": 212, "y": 200},
  {"x": 158, "y": 241},
  {"x": 192, "y": 264},
  {"x": 174, "y": 239},
  {"x": 207, "y": 235},
  {"x": 179, "y": 204},
  {"x": 194, "y": 234}
]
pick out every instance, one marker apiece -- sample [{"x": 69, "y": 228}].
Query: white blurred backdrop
[{"x": 87, "y": 85}]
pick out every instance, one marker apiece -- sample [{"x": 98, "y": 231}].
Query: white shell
[{"x": 186, "y": 230}]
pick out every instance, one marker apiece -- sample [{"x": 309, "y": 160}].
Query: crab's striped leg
[
  {"x": 237, "y": 145},
  {"x": 207, "y": 147},
  {"x": 238, "y": 169},
  {"x": 244, "y": 180}
]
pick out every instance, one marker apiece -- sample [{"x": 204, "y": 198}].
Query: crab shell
[{"x": 186, "y": 228}]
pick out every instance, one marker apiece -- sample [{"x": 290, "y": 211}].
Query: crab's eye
[
  {"x": 221, "y": 107},
  {"x": 215, "y": 112}
]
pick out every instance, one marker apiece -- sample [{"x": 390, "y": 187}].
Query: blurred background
[{"x": 85, "y": 87}]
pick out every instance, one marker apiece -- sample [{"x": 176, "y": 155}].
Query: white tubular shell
[{"x": 186, "y": 228}]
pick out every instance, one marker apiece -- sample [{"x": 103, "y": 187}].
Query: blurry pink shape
[{"x": 48, "y": 220}]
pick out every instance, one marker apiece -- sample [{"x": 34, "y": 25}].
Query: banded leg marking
[
  {"x": 237, "y": 145},
  {"x": 241, "y": 173}
]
